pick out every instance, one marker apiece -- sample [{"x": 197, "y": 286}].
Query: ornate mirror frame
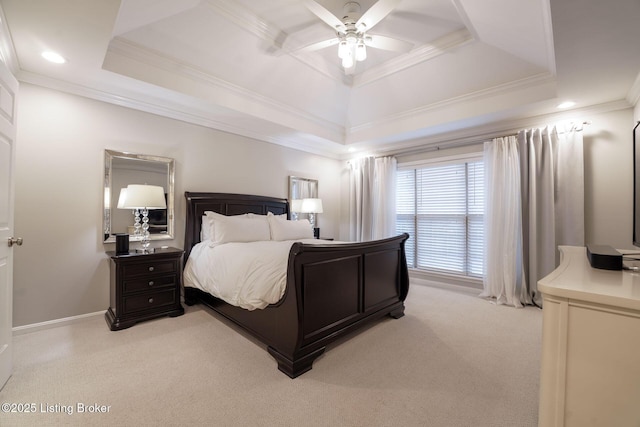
[
  {"x": 301, "y": 188},
  {"x": 143, "y": 169}
]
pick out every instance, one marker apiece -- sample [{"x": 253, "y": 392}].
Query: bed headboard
[{"x": 226, "y": 204}]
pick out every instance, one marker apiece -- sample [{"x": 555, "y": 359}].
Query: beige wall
[
  {"x": 62, "y": 270},
  {"x": 608, "y": 163}
]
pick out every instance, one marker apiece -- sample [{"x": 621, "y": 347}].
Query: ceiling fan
[{"x": 351, "y": 31}]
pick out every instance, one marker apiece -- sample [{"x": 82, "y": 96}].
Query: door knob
[{"x": 14, "y": 241}]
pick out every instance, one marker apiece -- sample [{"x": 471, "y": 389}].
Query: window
[{"x": 442, "y": 208}]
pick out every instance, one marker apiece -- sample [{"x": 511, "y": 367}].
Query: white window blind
[{"x": 442, "y": 207}]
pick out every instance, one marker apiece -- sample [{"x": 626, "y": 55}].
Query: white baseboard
[{"x": 34, "y": 327}]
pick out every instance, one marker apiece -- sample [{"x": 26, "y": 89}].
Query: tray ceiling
[{"x": 238, "y": 66}]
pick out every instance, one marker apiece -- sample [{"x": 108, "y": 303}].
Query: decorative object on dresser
[
  {"x": 141, "y": 198},
  {"x": 332, "y": 289},
  {"x": 122, "y": 244},
  {"x": 144, "y": 286}
]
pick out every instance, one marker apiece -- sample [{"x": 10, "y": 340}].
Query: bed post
[{"x": 295, "y": 368}]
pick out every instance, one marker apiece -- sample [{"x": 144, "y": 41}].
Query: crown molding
[
  {"x": 479, "y": 134},
  {"x": 634, "y": 93},
  {"x": 462, "y": 13},
  {"x": 176, "y": 107},
  {"x": 184, "y": 110},
  {"x": 137, "y": 53},
  {"x": 548, "y": 30},
  {"x": 7, "y": 50},
  {"x": 525, "y": 83}
]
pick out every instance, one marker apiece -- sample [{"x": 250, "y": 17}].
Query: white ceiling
[{"x": 236, "y": 65}]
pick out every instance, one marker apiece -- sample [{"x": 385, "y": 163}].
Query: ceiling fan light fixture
[
  {"x": 343, "y": 49},
  {"x": 361, "y": 51},
  {"x": 351, "y": 30},
  {"x": 347, "y": 61}
]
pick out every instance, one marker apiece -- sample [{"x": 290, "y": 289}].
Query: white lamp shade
[
  {"x": 122, "y": 198},
  {"x": 311, "y": 206},
  {"x": 296, "y": 205},
  {"x": 144, "y": 196}
]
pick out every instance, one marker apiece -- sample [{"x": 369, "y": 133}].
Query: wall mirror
[
  {"x": 122, "y": 169},
  {"x": 301, "y": 188}
]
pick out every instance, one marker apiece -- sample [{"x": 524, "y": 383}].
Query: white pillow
[
  {"x": 240, "y": 229},
  {"x": 207, "y": 230},
  {"x": 282, "y": 229},
  {"x": 282, "y": 216}
]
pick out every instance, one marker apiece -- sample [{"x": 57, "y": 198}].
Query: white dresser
[{"x": 590, "y": 372}]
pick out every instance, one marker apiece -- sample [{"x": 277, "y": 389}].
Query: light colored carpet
[{"x": 452, "y": 360}]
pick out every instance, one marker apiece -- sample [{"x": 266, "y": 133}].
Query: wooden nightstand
[{"x": 144, "y": 286}]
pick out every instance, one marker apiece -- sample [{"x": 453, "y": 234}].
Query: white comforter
[{"x": 248, "y": 275}]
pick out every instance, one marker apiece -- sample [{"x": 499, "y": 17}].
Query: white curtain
[
  {"x": 503, "y": 278},
  {"x": 372, "y": 198},
  {"x": 550, "y": 177}
]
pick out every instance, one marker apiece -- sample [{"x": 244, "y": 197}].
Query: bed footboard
[
  {"x": 339, "y": 288},
  {"x": 332, "y": 290}
]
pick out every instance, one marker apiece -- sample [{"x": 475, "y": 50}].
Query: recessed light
[
  {"x": 351, "y": 150},
  {"x": 54, "y": 57},
  {"x": 566, "y": 104}
]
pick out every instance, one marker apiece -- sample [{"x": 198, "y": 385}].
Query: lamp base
[
  {"x": 316, "y": 233},
  {"x": 145, "y": 251}
]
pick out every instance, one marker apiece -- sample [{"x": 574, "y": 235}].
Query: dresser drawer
[
  {"x": 149, "y": 301},
  {"x": 149, "y": 283},
  {"x": 149, "y": 267}
]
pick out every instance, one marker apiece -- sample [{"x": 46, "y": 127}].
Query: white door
[{"x": 8, "y": 93}]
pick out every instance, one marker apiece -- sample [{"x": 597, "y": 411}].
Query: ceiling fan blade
[
  {"x": 319, "y": 45},
  {"x": 376, "y": 13},
  {"x": 387, "y": 43},
  {"x": 325, "y": 15}
]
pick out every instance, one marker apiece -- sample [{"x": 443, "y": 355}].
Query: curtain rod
[
  {"x": 460, "y": 142},
  {"x": 465, "y": 142}
]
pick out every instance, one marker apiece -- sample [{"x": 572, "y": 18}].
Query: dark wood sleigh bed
[{"x": 331, "y": 289}]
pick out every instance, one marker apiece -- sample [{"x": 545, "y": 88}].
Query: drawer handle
[
  {"x": 150, "y": 300},
  {"x": 150, "y": 282},
  {"x": 151, "y": 268}
]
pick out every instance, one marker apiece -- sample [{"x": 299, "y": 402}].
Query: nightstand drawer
[
  {"x": 149, "y": 301},
  {"x": 150, "y": 267},
  {"x": 148, "y": 283}
]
